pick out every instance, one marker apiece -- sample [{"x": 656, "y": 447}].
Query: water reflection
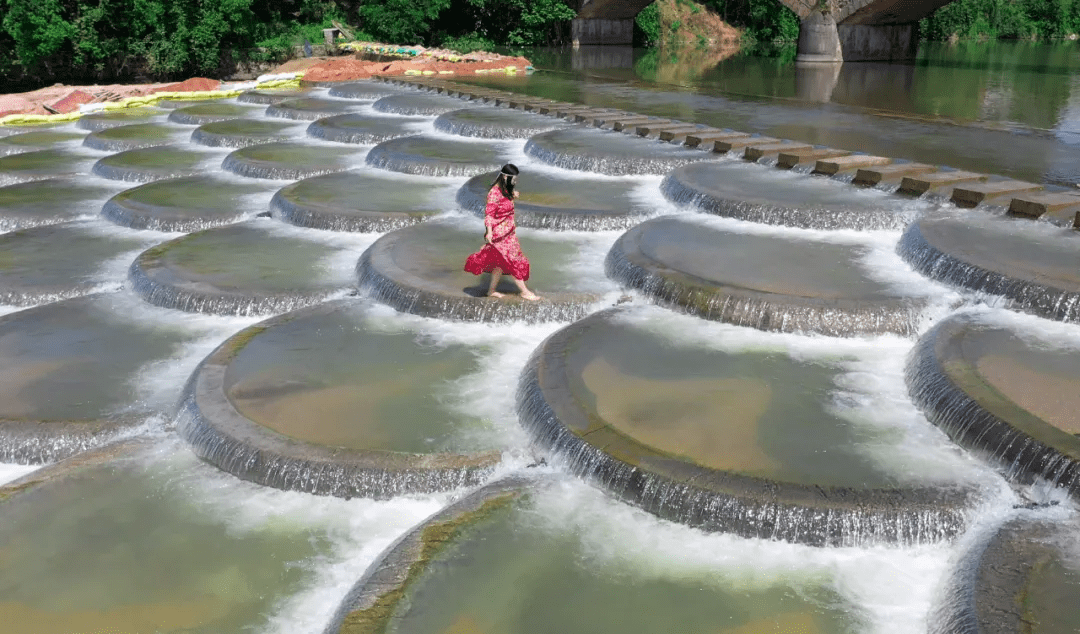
[{"x": 1009, "y": 108}]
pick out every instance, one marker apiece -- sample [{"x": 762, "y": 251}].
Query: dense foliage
[
  {"x": 62, "y": 40},
  {"x": 763, "y": 20},
  {"x": 502, "y": 22},
  {"x": 760, "y": 20},
  {"x": 1003, "y": 19},
  {"x": 647, "y": 26},
  {"x": 110, "y": 39}
]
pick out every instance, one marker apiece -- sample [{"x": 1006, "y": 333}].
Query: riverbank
[{"x": 62, "y": 102}]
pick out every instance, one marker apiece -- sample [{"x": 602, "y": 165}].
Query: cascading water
[
  {"x": 997, "y": 256},
  {"x": 748, "y": 192},
  {"x": 207, "y": 288}
]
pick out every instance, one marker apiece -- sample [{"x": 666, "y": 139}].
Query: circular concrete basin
[
  {"x": 360, "y": 201},
  {"x": 337, "y": 400},
  {"x": 769, "y": 282}
]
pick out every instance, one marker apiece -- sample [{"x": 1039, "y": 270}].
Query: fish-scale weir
[
  {"x": 570, "y": 400},
  {"x": 418, "y": 270},
  {"x": 760, "y": 281},
  {"x": 431, "y": 156},
  {"x": 990, "y": 390},
  {"x": 1030, "y": 264},
  {"x": 605, "y": 152},
  {"x": 288, "y": 160},
  {"x": 550, "y": 201},
  {"x": 241, "y": 269},
  {"x": 747, "y": 192},
  {"x": 495, "y": 123},
  {"x": 355, "y": 201},
  {"x": 246, "y": 409}
]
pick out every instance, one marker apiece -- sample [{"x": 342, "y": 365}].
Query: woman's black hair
[{"x": 504, "y": 180}]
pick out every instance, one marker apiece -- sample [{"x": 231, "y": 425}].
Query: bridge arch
[{"x": 831, "y": 31}]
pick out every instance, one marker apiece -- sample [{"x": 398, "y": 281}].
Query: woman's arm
[{"x": 489, "y": 220}]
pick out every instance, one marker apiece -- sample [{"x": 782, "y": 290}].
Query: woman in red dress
[{"x": 502, "y": 253}]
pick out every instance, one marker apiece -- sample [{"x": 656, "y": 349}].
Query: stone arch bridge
[{"x": 831, "y": 30}]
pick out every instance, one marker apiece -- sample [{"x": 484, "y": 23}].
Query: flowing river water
[{"x": 239, "y": 362}]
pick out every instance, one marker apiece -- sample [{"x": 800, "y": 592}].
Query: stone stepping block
[
  {"x": 917, "y": 185},
  {"x": 471, "y": 561},
  {"x": 417, "y": 104},
  {"x": 95, "y": 532},
  {"x": 53, "y": 262},
  {"x": 870, "y": 176},
  {"x": 1057, "y": 207},
  {"x": 210, "y": 113},
  {"x": 678, "y": 135},
  {"x": 593, "y": 150},
  {"x": 597, "y": 118},
  {"x": 239, "y": 133},
  {"x": 492, "y": 123},
  {"x": 418, "y": 270},
  {"x": 1032, "y": 264},
  {"x": 735, "y": 144},
  {"x": 768, "y": 282},
  {"x": 836, "y": 165},
  {"x": 289, "y": 160},
  {"x": 1024, "y": 578},
  {"x": 363, "y": 90},
  {"x": 126, "y": 116},
  {"x": 758, "y": 152},
  {"x": 36, "y": 140},
  {"x": 974, "y": 194},
  {"x": 747, "y": 192},
  {"x": 706, "y": 140},
  {"x": 550, "y": 201},
  {"x": 337, "y": 400},
  {"x": 251, "y": 268},
  {"x": 1005, "y": 391},
  {"x": 133, "y": 137},
  {"x": 69, "y": 373},
  {"x": 630, "y": 122},
  {"x": 433, "y": 156},
  {"x": 788, "y": 159},
  {"x": 191, "y": 203},
  {"x": 725, "y": 438},
  {"x": 359, "y": 201},
  {"x": 269, "y": 97},
  {"x": 363, "y": 129},
  {"x": 41, "y": 164},
  {"x": 309, "y": 108},
  {"x": 648, "y": 129},
  {"x": 49, "y": 201},
  {"x": 154, "y": 163}
]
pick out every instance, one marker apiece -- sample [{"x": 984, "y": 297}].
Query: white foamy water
[
  {"x": 358, "y": 530},
  {"x": 870, "y": 392},
  {"x": 11, "y": 472},
  {"x": 892, "y": 589},
  {"x": 159, "y": 383}
]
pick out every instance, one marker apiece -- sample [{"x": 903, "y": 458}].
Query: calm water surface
[{"x": 1008, "y": 108}]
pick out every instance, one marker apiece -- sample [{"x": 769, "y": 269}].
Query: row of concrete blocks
[{"x": 965, "y": 189}]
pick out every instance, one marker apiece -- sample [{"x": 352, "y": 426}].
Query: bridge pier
[
  {"x": 819, "y": 41},
  {"x": 822, "y": 41},
  {"x": 589, "y": 31},
  {"x": 878, "y": 42}
]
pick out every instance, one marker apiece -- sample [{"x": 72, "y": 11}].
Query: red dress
[{"x": 504, "y": 251}]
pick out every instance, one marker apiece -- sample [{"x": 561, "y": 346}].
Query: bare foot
[
  {"x": 532, "y": 297},
  {"x": 495, "y": 294}
]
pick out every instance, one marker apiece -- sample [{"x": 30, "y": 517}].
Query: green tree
[
  {"x": 400, "y": 21},
  {"x": 763, "y": 20}
]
